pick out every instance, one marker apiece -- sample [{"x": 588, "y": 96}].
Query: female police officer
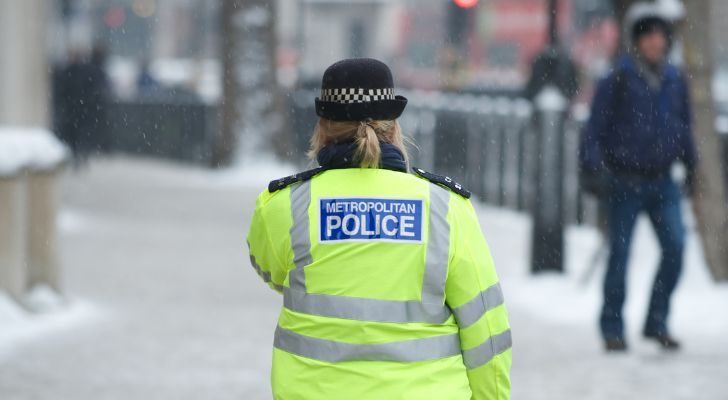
[{"x": 389, "y": 290}]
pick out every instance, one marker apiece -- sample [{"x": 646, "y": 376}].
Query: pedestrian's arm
[
  {"x": 600, "y": 118},
  {"x": 473, "y": 293},
  {"x": 689, "y": 153},
  {"x": 264, "y": 257}
]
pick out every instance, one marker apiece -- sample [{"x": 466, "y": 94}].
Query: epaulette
[
  {"x": 282, "y": 183},
  {"x": 445, "y": 181}
]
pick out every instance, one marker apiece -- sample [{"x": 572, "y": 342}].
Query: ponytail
[
  {"x": 367, "y": 135},
  {"x": 368, "y": 151}
]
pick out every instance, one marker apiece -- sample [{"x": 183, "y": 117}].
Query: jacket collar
[
  {"x": 342, "y": 155},
  {"x": 627, "y": 62}
]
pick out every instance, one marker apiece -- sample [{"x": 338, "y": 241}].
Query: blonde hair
[{"x": 366, "y": 134}]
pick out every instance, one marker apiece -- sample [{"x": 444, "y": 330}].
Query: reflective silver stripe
[
  {"x": 430, "y": 348},
  {"x": 364, "y": 309},
  {"x": 470, "y": 312},
  {"x": 482, "y": 354},
  {"x": 438, "y": 247},
  {"x": 263, "y": 274},
  {"x": 300, "y": 237}
]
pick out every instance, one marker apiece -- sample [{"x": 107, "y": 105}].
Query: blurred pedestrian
[
  {"x": 146, "y": 82},
  {"x": 84, "y": 94},
  {"x": 640, "y": 126},
  {"x": 389, "y": 290}
]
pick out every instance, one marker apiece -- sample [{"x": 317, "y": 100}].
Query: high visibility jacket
[{"x": 389, "y": 290}]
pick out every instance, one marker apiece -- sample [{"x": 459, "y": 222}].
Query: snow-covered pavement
[{"x": 163, "y": 305}]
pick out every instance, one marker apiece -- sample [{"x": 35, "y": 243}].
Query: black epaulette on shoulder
[
  {"x": 283, "y": 183},
  {"x": 445, "y": 181}
]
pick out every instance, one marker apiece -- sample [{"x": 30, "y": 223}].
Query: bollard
[
  {"x": 44, "y": 171},
  {"x": 42, "y": 243},
  {"x": 547, "y": 245},
  {"x": 12, "y": 218},
  {"x": 12, "y": 236},
  {"x": 30, "y": 163}
]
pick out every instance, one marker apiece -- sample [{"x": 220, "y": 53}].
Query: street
[{"x": 156, "y": 252}]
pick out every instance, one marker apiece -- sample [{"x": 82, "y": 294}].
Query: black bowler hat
[{"x": 358, "y": 89}]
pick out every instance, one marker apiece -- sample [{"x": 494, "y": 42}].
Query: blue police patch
[{"x": 369, "y": 219}]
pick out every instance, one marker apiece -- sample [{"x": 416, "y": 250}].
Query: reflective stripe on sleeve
[
  {"x": 364, "y": 309},
  {"x": 482, "y": 354},
  {"x": 470, "y": 312},
  {"x": 300, "y": 236},
  {"x": 430, "y": 348},
  {"x": 438, "y": 247},
  {"x": 263, "y": 274}
]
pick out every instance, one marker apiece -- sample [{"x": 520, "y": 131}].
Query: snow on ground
[
  {"x": 44, "y": 314},
  {"x": 557, "y": 350},
  {"x": 155, "y": 252},
  {"x": 569, "y": 299}
]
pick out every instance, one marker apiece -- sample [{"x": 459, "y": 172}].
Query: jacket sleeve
[
  {"x": 601, "y": 115},
  {"x": 474, "y": 294},
  {"x": 689, "y": 153},
  {"x": 264, "y": 258}
]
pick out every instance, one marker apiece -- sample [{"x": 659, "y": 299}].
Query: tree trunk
[
  {"x": 711, "y": 207},
  {"x": 249, "y": 113}
]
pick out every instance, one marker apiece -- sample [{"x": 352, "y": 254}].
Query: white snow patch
[
  {"x": 33, "y": 148},
  {"x": 250, "y": 174},
  {"x": 551, "y": 99},
  {"x": 570, "y": 299},
  {"x": 71, "y": 221},
  {"x": 721, "y": 124},
  {"x": 254, "y": 17},
  {"x": 20, "y": 326},
  {"x": 10, "y": 311},
  {"x": 43, "y": 299}
]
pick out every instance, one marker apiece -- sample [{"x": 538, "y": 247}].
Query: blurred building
[
  {"x": 324, "y": 31},
  {"x": 429, "y": 43},
  {"x": 489, "y": 46},
  {"x": 720, "y": 31},
  {"x": 23, "y": 63}
]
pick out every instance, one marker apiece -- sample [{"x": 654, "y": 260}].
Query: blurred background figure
[
  {"x": 640, "y": 126},
  {"x": 146, "y": 82},
  {"x": 83, "y": 93}
]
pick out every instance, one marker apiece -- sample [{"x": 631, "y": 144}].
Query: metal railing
[
  {"x": 488, "y": 143},
  {"x": 491, "y": 144}
]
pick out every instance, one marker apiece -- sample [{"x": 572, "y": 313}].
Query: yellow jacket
[{"x": 389, "y": 290}]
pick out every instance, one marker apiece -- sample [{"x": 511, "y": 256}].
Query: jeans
[{"x": 660, "y": 199}]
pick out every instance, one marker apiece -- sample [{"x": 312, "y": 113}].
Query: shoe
[
  {"x": 665, "y": 341},
  {"x": 616, "y": 344}
]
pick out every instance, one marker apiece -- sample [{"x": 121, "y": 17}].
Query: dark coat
[{"x": 635, "y": 129}]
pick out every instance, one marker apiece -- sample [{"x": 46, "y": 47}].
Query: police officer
[{"x": 389, "y": 289}]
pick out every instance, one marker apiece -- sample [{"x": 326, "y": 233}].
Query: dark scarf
[
  {"x": 650, "y": 72},
  {"x": 341, "y": 156}
]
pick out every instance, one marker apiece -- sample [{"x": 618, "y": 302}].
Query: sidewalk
[{"x": 157, "y": 251}]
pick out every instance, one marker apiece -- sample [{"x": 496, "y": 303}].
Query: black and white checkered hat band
[{"x": 356, "y": 95}]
